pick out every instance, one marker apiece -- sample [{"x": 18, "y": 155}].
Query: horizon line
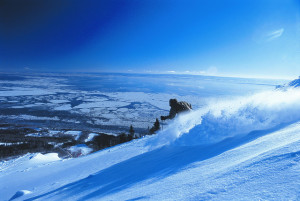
[{"x": 26, "y": 71}]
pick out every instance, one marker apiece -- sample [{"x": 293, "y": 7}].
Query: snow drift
[
  {"x": 42, "y": 158},
  {"x": 19, "y": 194},
  {"x": 231, "y": 118}
]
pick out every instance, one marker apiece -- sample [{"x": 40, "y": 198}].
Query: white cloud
[
  {"x": 209, "y": 71},
  {"x": 212, "y": 70},
  {"x": 274, "y": 34},
  {"x": 171, "y": 71}
]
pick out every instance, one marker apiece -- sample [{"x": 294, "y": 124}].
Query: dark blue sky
[{"x": 220, "y": 37}]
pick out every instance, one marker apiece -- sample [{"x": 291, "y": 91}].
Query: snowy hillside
[
  {"x": 293, "y": 84},
  {"x": 242, "y": 149}
]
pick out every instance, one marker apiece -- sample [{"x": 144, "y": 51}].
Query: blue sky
[{"x": 249, "y": 38}]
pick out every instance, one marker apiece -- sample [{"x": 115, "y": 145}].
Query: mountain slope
[
  {"x": 265, "y": 168},
  {"x": 293, "y": 84},
  {"x": 247, "y": 149}
]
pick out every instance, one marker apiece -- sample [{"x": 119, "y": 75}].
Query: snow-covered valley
[{"x": 60, "y": 113}]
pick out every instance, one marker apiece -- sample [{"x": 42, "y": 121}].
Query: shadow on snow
[{"x": 154, "y": 165}]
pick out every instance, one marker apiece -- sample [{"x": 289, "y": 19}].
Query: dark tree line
[
  {"x": 15, "y": 141},
  {"x": 23, "y": 148},
  {"x": 104, "y": 140}
]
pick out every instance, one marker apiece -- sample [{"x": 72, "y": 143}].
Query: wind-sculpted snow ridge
[
  {"x": 293, "y": 84},
  {"x": 231, "y": 118}
]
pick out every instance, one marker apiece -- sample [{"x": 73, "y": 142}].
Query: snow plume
[{"x": 229, "y": 118}]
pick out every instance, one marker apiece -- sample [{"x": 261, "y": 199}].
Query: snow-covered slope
[
  {"x": 244, "y": 149},
  {"x": 293, "y": 84}
]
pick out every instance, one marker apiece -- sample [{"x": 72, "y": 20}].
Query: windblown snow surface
[{"x": 242, "y": 149}]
